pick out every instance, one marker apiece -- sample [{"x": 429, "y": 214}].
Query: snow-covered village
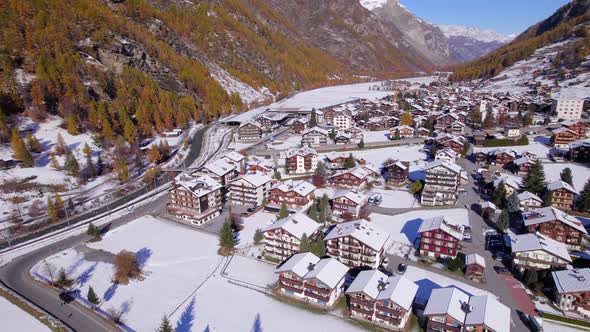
[{"x": 148, "y": 185}]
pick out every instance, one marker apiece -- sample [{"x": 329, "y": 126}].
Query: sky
[{"x": 504, "y": 16}]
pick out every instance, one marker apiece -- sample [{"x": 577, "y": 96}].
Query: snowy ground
[
  {"x": 290, "y": 141},
  {"x": 15, "y": 319},
  {"x": 536, "y": 147},
  {"x": 259, "y": 220},
  {"x": 428, "y": 280},
  {"x": 580, "y": 173},
  {"x": 327, "y": 96},
  {"x": 403, "y": 228},
  {"x": 398, "y": 199},
  {"x": 376, "y": 136}
]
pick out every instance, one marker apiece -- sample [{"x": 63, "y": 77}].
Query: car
[
  {"x": 401, "y": 268},
  {"x": 371, "y": 200},
  {"x": 377, "y": 200},
  {"x": 251, "y": 209},
  {"x": 467, "y": 237},
  {"x": 66, "y": 297},
  {"x": 499, "y": 256},
  {"x": 501, "y": 270}
]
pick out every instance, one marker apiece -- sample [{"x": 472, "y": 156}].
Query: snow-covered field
[
  {"x": 398, "y": 199},
  {"x": 259, "y": 220},
  {"x": 536, "y": 147},
  {"x": 327, "y": 96},
  {"x": 290, "y": 141},
  {"x": 580, "y": 173},
  {"x": 378, "y": 156},
  {"x": 376, "y": 136},
  {"x": 428, "y": 280},
  {"x": 403, "y": 228},
  {"x": 15, "y": 319}
]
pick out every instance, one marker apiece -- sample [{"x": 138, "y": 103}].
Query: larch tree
[
  {"x": 53, "y": 161},
  {"x": 17, "y": 144},
  {"x": 71, "y": 165},
  {"x": 123, "y": 171},
  {"x": 61, "y": 147},
  {"x": 154, "y": 154},
  {"x": 71, "y": 126},
  {"x": 406, "y": 119},
  {"x": 304, "y": 245},
  {"x": 51, "y": 211},
  {"x": 33, "y": 143},
  {"x": 283, "y": 212}
]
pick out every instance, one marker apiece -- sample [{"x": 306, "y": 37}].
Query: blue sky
[{"x": 504, "y": 16}]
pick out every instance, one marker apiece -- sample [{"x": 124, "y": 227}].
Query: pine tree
[
  {"x": 318, "y": 247},
  {"x": 566, "y": 176},
  {"x": 277, "y": 174},
  {"x": 503, "y": 221},
  {"x": 548, "y": 198},
  {"x": 71, "y": 126},
  {"x": 313, "y": 212},
  {"x": 349, "y": 163},
  {"x": 531, "y": 277},
  {"x": 397, "y": 136},
  {"x": 71, "y": 165},
  {"x": 165, "y": 325},
  {"x": 304, "y": 246},
  {"x": 33, "y": 143},
  {"x": 226, "y": 237},
  {"x": 513, "y": 203},
  {"x": 583, "y": 203},
  {"x": 287, "y": 168},
  {"x": 332, "y": 134},
  {"x": 324, "y": 201},
  {"x": 499, "y": 195},
  {"x": 94, "y": 232},
  {"x": 416, "y": 187},
  {"x": 99, "y": 165},
  {"x": 362, "y": 143},
  {"x": 534, "y": 181},
  {"x": 92, "y": 297},
  {"x": 54, "y": 163},
  {"x": 51, "y": 211},
  {"x": 258, "y": 236},
  {"x": 62, "y": 279},
  {"x": 432, "y": 151},
  {"x": 154, "y": 154},
  {"x": 283, "y": 212},
  {"x": 61, "y": 147},
  {"x": 123, "y": 172},
  {"x": 313, "y": 119}
]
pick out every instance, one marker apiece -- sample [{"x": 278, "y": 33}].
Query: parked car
[
  {"x": 401, "y": 268},
  {"x": 251, "y": 209},
  {"x": 66, "y": 297},
  {"x": 499, "y": 256},
  {"x": 501, "y": 270},
  {"x": 467, "y": 236}
]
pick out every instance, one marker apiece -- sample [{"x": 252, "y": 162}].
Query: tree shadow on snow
[
  {"x": 110, "y": 292},
  {"x": 142, "y": 256},
  {"x": 187, "y": 319},
  {"x": 257, "y": 326},
  {"x": 72, "y": 268},
  {"x": 86, "y": 275},
  {"x": 410, "y": 229}
]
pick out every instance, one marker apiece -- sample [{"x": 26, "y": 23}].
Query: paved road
[{"x": 15, "y": 274}]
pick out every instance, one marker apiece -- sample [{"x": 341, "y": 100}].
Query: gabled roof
[
  {"x": 538, "y": 241},
  {"x": 522, "y": 161},
  {"x": 525, "y": 195},
  {"x": 451, "y": 166},
  {"x": 315, "y": 129},
  {"x": 199, "y": 186},
  {"x": 475, "y": 259},
  {"x": 572, "y": 281},
  {"x": 300, "y": 264},
  {"x": 563, "y": 130},
  {"x": 302, "y": 188},
  {"x": 354, "y": 196},
  {"x": 296, "y": 225},
  {"x": 559, "y": 184},
  {"x": 304, "y": 151},
  {"x": 234, "y": 156},
  {"x": 546, "y": 214},
  {"x": 368, "y": 282},
  {"x": 444, "y": 224},
  {"x": 255, "y": 179},
  {"x": 358, "y": 172},
  {"x": 254, "y": 123},
  {"x": 400, "y": 290},
  {"x": 362, "y": 231},
  {"x": 219, "y": 167},
  {"x": 447, "y": 301},
  {"x": 329, "y": 271},
  {"x": 488, "y": 311}
]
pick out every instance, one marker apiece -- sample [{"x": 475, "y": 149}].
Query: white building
[
  {"x": 250, "y": 189},
  {"x": 342, "y": 120},
  {"x": 572, "y": 290},
  {"x": 567, "y": 108}
]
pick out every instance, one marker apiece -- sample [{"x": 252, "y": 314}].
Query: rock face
[
  {"x": 468, "y": 44},
  {"x": 424, "y": 36}
]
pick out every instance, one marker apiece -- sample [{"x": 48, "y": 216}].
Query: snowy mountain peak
[
  {"x": 372, "y": 4},
  {"x": 486, "y": 36}
]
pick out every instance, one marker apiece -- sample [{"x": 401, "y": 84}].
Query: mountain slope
[
  {"x": 468, "y": 44},
  {"x": 565, "y": 23}
]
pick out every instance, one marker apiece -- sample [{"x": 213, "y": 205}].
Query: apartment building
[
  {"x": 250, "y": 189},
  {"x": 195, "y": 199},
  {"x": 282, "y": 239},
  {"x": 357, "y": 243}
]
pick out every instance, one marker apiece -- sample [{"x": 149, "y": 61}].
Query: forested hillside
[{"x": 568, "y": 21}]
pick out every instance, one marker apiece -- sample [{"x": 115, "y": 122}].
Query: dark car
[
  {"x": 501, "y": 270},
  {"x": 251, "y": 209},
  {"x": 66, "y": 297},
  {"x": 499, "y": 256},
  {"x": 401, "y": 268}
]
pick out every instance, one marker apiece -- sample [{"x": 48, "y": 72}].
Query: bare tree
[{"x": 126, "y": 268}]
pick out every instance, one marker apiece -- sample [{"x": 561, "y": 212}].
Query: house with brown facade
[
  {"x": 348, "y": 204},
  {"x": 195, "y": 199},
  {"x": 563, "y": 195},
  {"x": 357, "y": 243},
  {"x": 250, "y": 131},
  {"x": 301, "y": 160},
  {"x": 397, "y": 173},
  {"x": 579, "y": 150},
  {"x": 535, "y": 251},
  {"x": 315, "y": 136},
  {"x": 440, "y": 237},
  {"x": 282, "y": 239},
  {"x": 562, "y": 137},
  {"x": 555, "y": 224},
  {"x": 474, "y": 267},
  {"x": 355, "y": 178},
  {"x": 296, "y": 195}
]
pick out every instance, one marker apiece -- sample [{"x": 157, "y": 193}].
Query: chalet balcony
[
  {"x": 362, "y": 303},
  {"x": 393, "y": 312},
  {"x": 291, "y": 288},
  {"x": 316, "y": 296},
  {"x": 319, "y": 290},
  {"x": 390, "y": 320},
  {"x": 362, "y": 310},
  {"x": 437, "y": 326}
]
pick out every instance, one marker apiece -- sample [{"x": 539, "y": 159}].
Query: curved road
[{"x": 16, "y": 274}]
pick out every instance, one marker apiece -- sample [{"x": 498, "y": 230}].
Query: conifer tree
[
  {"x": 534, "y": 181},
  {"x": 71, "y": 165},
  {"x": 165, "y": 325},
  {"x": 33, "y": 143},
  {"x": 513, "y": 203},
  {"x": 324, "y": 201},
  {"x": 304, "y": 246},
  {"x": 349, "y": 162},
  {"x": 566, "y": 176},
  {"x": 332, "y": 134},
  {"x": 503, "y": 221},
  {"x": 258, "y": 236},
  {"x": 71, "y": 126},
  {"x": 499, "y": 195},
  {"x": 583, "y": 204},
  {"x": 313, "y": 212},
  {"x": 4, "y": 130},
  {"x": 318, "y": 247},
  {"x": 313, "y": 119},
  {"x": 53, "y": 161},
  {"x": 61, "y": 147},
  {"x": 226, "y": 237},
  {"x": 548, "y": 198},
  {"x": 51, "y": 211},
  {"x": 27, "y": 158},
  {"x": 123, "y": 172},
  {"x": 362, "y": 143},
  {"x": 154, "y": 154},
  {"x": 283, "y": 212},
  {"x": 99, "y": 165},
  {"x": 92, "y": 297},
  {"x": 62, "y": 279},
  {"x": 397, "y": 136},
  {"x": 59, "y": 204}
]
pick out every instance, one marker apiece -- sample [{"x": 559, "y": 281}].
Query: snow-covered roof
[
  {"x": 315, "y": 129},
  {"x": 509, "y": 180},
  {"x": 563, "y": 130},
  {"x": 329, "y": 271},
  {"x": 400, "y": 290},
  {"x": 234, "y": 156},
  {"x": 302, "y": 188},
  {"x": 199, "y": 186},
  {"x": 475, "y": 259},
  {"x": 368, "y": 282},
  {"x": 358, "y": 172},
  {"x": 443, "y": 223},
  {"x": 546, "y": 214},
  {"x": 255, "y": 179},
  {"x": 219, "y": 167},
  {"x": 522, "y": 161},
  {"x": 255, "y": 123},
  {"x": 487, "y": 204},
  {"x": 296, "y": 225},
  {"x": 526, "y": 195},
  {"x": 334, "y": 155},
  {"x": 579, "y": 143},
  {"x": 361, "y": 230},
  {"x": 451, "y": 166},
  {"x": 572, "y": 281},
  {"x": 538, "y": 241},
  {"x": 560, "y": 184},
  {"x": 445, "y": 301},
  {"x": 488, "y": 311},
  {"x": 354, "y": 196},
  {"x": 300, "y": 264},
  {"x": 304, "y": 151}
]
